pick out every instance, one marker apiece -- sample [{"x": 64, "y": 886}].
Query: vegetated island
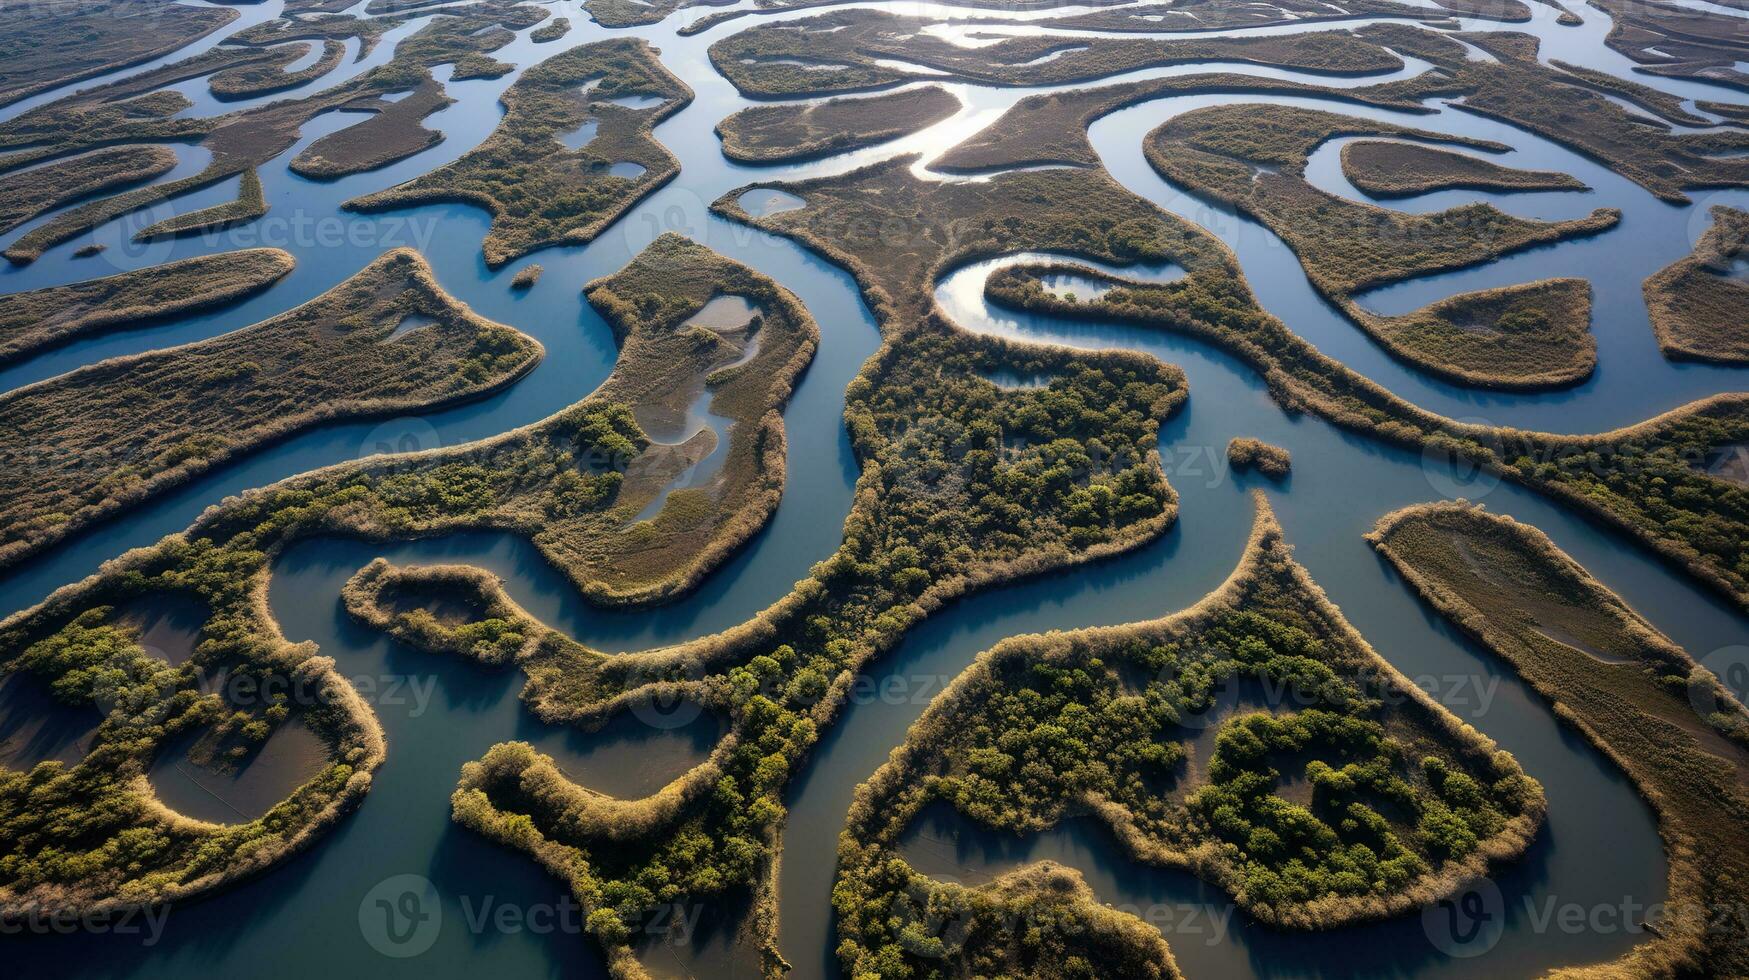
[
  {"x": 1253, "y": 157},
  {"x": 264, "y": 77},
  {"x": 250, "y": 204},
  {"x": 1571, "y": 108},
  {"x": 90, "y": 837},
  {"x": 34, "y": 320},
  {"x": 396, "y": 131},
  {"x": 41, "y": 189},
  {"x": 1246, "y": 453},
  {"x": 1561, "y": 102},
  {"x": 554, "y": 29},
  {"x": 964, "y": 484},
  {"x": 854, "y": 50},
  {"x": 1659, "y": 481},
  {"x": 88, "y": 444},
  {"x": 539, "y": 190},
  {"x": 1383, "y": 168},
  {"x": 1699, "y": 304},
  {"x": 1666, "y": 721},
  {"x": 54, "y": 43},
  {"x": 1336, "y": 791},
  {"x": 1677, "y": 41},
  {"x": 138, "y": 110},
  {"x": 789, "y": 133}
]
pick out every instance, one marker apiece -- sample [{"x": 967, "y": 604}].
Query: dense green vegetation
[
  {"x": 39, "y": 318},
  {"x": 795, "y": 58},
  {"x": 1389, "y": 169},
  {"x": 539, "y": 191},
  {"x": 786, "y": 133},
  {"x": 1652, "y": 480},
  {"x": 963, "y": 484},
  {"x": 1254, "y": 158},
  {"x": 1697, "y": 303},
  {"x": 90, "y": 443},
  {"x": 1405, "y": 802},
  {"x": 1666, "y": 721},
  {"x": 554, "y": 29},
  {"x": 85, "y": 837}
]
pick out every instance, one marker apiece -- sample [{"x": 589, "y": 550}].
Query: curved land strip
[
  {"x": 250, "y": 204},
  {"x": 130, "y": 111},
  {"x": 1567, "y": 108},
  {"x": 1254, "y": 158},
  {"x": 1388, "y": 169},
  {"x": 48, "y": 44},
  {"x": 1664, "y": 720},
  {"x": 705, "y": 23},
  {"x": 1153, "y": 17},
  {"x": 928, "y": 525},
  {"x": 1677, "y": 41},
  {"x": 267, "y": 77},
  {"x": 40, "y": 318},
  {"x": 1699, "y": 304},
  {"x": 539, "y": 191},
  {"x": 89, "y": 837},
  {"x": 91, "y": 443},
  {"x": 843, "y": 51},
  {"x": 789, "y": 133},
  {"x": 1406, "y": 802},
  {"x": 36, "y": 192},
  {"x": 1656, "y": 481},
  {"x": 1051, "y": 128},
  {"x": 964, "y": 485},
  {"x": 395, "y": 132},
  {"x": 557, "y": 28}
]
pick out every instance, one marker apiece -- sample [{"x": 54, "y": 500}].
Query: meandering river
[{"x": 501, "y": 915}]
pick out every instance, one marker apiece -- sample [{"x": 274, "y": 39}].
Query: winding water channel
[{"x": 1599, "y": 850}]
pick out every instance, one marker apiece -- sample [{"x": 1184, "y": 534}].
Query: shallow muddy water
[{"x": 308, "y": 916}]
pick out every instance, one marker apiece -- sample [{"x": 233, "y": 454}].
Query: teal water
[{"x": 1599, "y": 850}]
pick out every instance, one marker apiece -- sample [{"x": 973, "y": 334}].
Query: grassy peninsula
[
  {"x": 1697, "y": 303},
  {"x": 539, "y": 190},
  {"x": 787, "y": 133},
  {"x": 1666, "y": 721},
  {"x": 1254, "y": 158},
  {"x": 86, "y": 445},
  {"x": 1350, "y": 796},
  {"x": 1389, "y": 169},
  {"x": 36, "y": 319}
]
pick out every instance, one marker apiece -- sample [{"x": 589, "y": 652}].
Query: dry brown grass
[
  {"x": 47, "y": 44},
  {"x": 395, "y": 132},
  {"x": 1387, "y": 169},
  {"x": 40, "y": 318},
  {"x": 539, "y": 191},
  {"x": 1699, "y": 304},
  {"x": 788, "y": 133},
  {"x": 1506, "y": 585},
  {"x": 89, "y": 444},
  {"x": 39, "y": 190}
]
